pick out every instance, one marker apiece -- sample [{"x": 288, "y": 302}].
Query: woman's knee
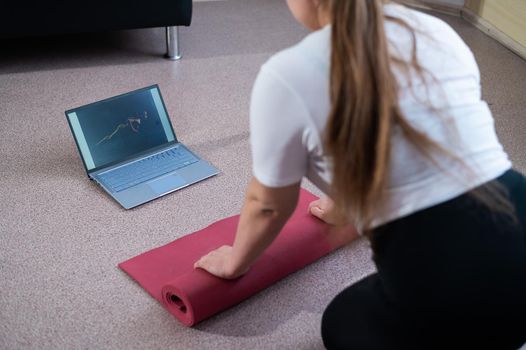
[
  {"x": 332, "y": 321},
  {"x": 345, "y": 316},
  {"x": 360, "y": 317}
]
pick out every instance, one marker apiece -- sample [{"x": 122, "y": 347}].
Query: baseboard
[
  {"x": 433, "y": 6},
  {"x": 493, "y": 32},
  {"x": 474, "y": 19}
]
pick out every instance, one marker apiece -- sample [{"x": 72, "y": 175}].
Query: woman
[{"x": 380, "y": 107}]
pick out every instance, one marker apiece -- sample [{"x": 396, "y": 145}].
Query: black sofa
[{"x": 29, "y": 18}]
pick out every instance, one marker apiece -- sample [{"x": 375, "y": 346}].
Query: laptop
[{"x": 128, "y": 147}]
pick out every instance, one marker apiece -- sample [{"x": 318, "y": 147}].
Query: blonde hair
[{"x": 365, "y": 108}]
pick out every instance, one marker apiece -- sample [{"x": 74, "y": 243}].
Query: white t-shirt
[{"x": 290, "y": 107}]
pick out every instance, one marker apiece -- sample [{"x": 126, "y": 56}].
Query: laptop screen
[{"x": 120, "y": 127}]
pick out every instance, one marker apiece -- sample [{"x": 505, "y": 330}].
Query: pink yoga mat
[{"x": 193, "y": 295}]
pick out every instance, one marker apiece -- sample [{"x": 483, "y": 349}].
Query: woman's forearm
[{"x": 264, "y": 213}]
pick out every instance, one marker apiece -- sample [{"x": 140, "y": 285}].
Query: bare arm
[{"x": 264, "y": 213}]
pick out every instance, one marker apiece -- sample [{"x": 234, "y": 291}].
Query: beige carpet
[{"x": 61, "y": 237}]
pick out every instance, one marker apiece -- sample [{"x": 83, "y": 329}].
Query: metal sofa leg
[{"x": 172, "y": 43}]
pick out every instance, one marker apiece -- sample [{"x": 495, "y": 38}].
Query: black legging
[{"x": 451, "y": 277}]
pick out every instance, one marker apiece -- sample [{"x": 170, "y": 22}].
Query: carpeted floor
[{"x": 61, "y": 237}]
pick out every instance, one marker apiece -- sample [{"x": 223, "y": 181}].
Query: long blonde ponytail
[
  {"x": 364, "y": 100},
  {"x": 365, "y": 108}
]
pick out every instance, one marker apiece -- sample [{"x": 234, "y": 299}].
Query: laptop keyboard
[{"x": 146, "y": 169}]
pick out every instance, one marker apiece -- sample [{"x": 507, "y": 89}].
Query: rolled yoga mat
[{"x": 192, "y": 295}]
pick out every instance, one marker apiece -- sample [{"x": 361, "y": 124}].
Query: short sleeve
[{"x": 278, "y": 119}]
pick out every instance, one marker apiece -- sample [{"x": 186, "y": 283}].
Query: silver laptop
[{"x": 129, "y": 147}]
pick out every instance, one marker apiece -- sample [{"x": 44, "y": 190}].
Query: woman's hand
[
  {"x": 219, "y": 263},
  {"x": 264, "y": 213},
  {"x": 342, "y": 231},
  {"x": 324, "y": 210}
]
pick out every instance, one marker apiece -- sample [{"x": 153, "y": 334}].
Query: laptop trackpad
[{"x": 167, "y": 183}]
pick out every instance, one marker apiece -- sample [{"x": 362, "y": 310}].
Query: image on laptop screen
[{"x": 118, "y": 128}]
